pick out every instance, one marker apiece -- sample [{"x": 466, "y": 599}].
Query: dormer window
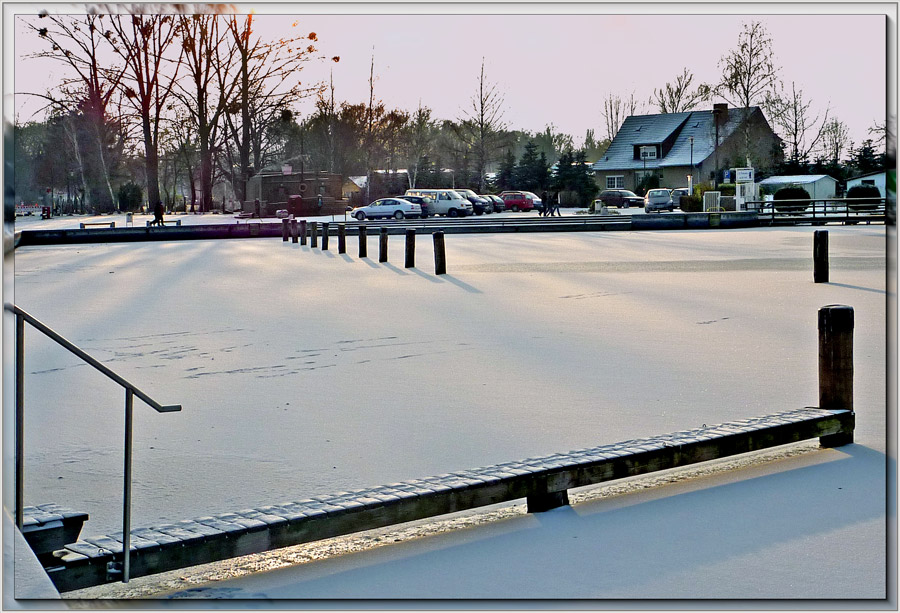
[{"x": 648, "y": 152}]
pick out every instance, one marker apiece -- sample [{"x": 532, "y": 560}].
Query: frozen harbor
[{"x": 304, "y": 372}]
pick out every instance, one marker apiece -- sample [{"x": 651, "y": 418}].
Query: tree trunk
[{"x": 151, "y": 162}]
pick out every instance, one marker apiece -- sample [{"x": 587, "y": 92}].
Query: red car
[{"x": 517, "y": 201}]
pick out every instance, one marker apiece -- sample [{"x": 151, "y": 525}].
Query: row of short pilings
[{"x": 300, "y": 230}]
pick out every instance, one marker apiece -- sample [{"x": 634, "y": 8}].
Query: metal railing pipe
[
  {"x": 49, "y": 332},
  {"x": 20, "y": 420},
  {"x": 126, "y": 494}
]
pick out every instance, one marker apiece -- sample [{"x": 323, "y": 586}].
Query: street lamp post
[{"x": 691, "y": 176}]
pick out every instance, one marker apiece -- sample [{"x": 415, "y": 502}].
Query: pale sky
[{"x": 555, "y": 68}]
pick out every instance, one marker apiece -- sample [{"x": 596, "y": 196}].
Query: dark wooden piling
[
  {"x": 285, "y": 230},
  {"x": 363, "y": 242},
  {"x": 313, "y": 234},
  {"x": 836, "y": 365},
  {"x": 820, "y": 256},
  {"x": 324, "y": 236},
  {"x": 303, "y": 231},
  {"x": 342, "y": 238},
  {"x": 410, "y": 248},
  {"x": 383, "y": 245},
  {"x": 294, "y": 231},
  {"x": 440, "y": 257}
]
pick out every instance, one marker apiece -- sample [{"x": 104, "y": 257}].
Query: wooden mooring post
[
  {"x": 294, "y": 231},
  {"x": 342, "y": 238},
  {"x": 820, "y": 256},
  {"x": 383, "y": 245},
  {"x": 440, "y": 257},
  {"x": 324, "y": 236},
  {"x": 302, "y": 231},
  {"x": 836, "y": 365},
  {"x": 410, "y": 248},
  {"x": 363, "y": 242},
  {"x": 313, "y": 234},
  {"x": 285, "y": 229}
]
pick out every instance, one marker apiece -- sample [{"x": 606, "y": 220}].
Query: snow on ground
[{"x": 305, "y": 372}]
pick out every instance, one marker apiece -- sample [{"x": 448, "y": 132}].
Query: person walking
[
  {"x": 554, "y": 205},
  {"x": 545, "y": 201},
  {"x": 158, "y": 214}
]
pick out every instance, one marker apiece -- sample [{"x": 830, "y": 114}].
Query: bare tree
[
  {"x": 142, "y": 41},
  {"x": 209, "y": 57},
  {"x": 792, "y": 117},
  {"x": 77, "y": 42},
  {"x": 482, "y": 125},
  {"x": 748, "y": 71},
  {"x": 677, "y": 97},
  {"x": 835, "y": 138},
  {"x": 615, "y": 111},
  {"x": 421, "y": 134}
]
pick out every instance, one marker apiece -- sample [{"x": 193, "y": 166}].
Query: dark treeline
[{"x": 185, "y": 108}]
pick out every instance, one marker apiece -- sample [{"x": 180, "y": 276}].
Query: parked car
[
  {"x": 496, "y": 201},
  {"x": 397, "y": 208},
  {"x": 517, "y": 201},
  {"x": 446, "y": 201},
  {"x": 426, "y": 203},
  {"x": 658, "y": 200},
  {"x": 620, "y": 198},
  {"x": 480, "y": 206},
  {"x": 536, "y": 201},
  {"x": 678, "y": 192}
]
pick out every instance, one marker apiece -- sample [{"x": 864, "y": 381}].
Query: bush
[
  {"x": 726, "y": 189},
  {"x": 130, "y": 196},
  {"x": 691, "y": 204},
  {"x": 791, "y": 192},
  {"x": 864, "y": 191}
]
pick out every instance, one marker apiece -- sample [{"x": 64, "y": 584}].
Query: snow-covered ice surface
[{"x": 304, "y": 372}]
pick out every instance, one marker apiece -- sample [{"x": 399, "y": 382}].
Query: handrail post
[
  {"x": 20, "y": 420},
  {"x": 126, "y": 506}
]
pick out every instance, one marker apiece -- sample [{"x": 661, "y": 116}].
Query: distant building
[
  {"x": 873, "y": 178},
  {"x": 818, "y": 186},
  {"x": 674, "y": 145},
  {"x": 300, "y": 193}
]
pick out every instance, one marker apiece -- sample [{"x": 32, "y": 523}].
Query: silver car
[{"x": 658, "y": 200}]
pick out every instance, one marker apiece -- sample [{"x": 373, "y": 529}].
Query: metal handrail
[{"x": 131, "y": 390}]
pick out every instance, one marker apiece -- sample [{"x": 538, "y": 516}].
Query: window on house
[
  {"x": 648, "y": 153},
  {"x": 615, "y": 182}
]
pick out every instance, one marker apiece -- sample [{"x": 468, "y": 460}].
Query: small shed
[
  {"x": 818, "y": 186},
  {"x": 873, "y": 178}
]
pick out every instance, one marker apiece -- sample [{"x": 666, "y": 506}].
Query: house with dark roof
[{"x": 698, "y": 143}]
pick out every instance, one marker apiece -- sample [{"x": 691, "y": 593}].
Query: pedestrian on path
[{"x": 158, "y": 214}]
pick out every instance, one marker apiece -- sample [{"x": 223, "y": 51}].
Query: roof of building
[
  {"x": 654, "y": 129},
  {"x": 868, "y": 174},
  {"x": 799, "y": 179}
]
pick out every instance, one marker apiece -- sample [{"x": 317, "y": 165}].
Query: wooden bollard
[
  {"x": 836, "y": 365},
  {"x": 382, "y": 245},
  {"x": 342, "y": 238},
  {"x": 820, "y": 256},
  {"x": 284, "y": 230},
  {"x": 294, "y": 231},
  {"x": 410, "y": 248},
  {"x": 363, "y": 242},
  {"x": 313, "y": 234},
  {"x": 302, "y": 231},
  {"x": 440, "y": 257},
  {"x": 324, "y": 236}
]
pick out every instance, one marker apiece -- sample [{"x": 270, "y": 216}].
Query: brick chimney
[{"x": 721, "y": 109}]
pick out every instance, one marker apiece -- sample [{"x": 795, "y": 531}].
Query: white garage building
[
  {"x": 873, "y": 178},
  {"x": 818, "y": 186}
]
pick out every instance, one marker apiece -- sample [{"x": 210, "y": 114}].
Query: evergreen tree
[
  {"x": 524, "y": 175},
  {"x": 506, "y": 176}
]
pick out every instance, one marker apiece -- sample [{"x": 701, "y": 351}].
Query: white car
[{"x": 387, "y": 207}]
